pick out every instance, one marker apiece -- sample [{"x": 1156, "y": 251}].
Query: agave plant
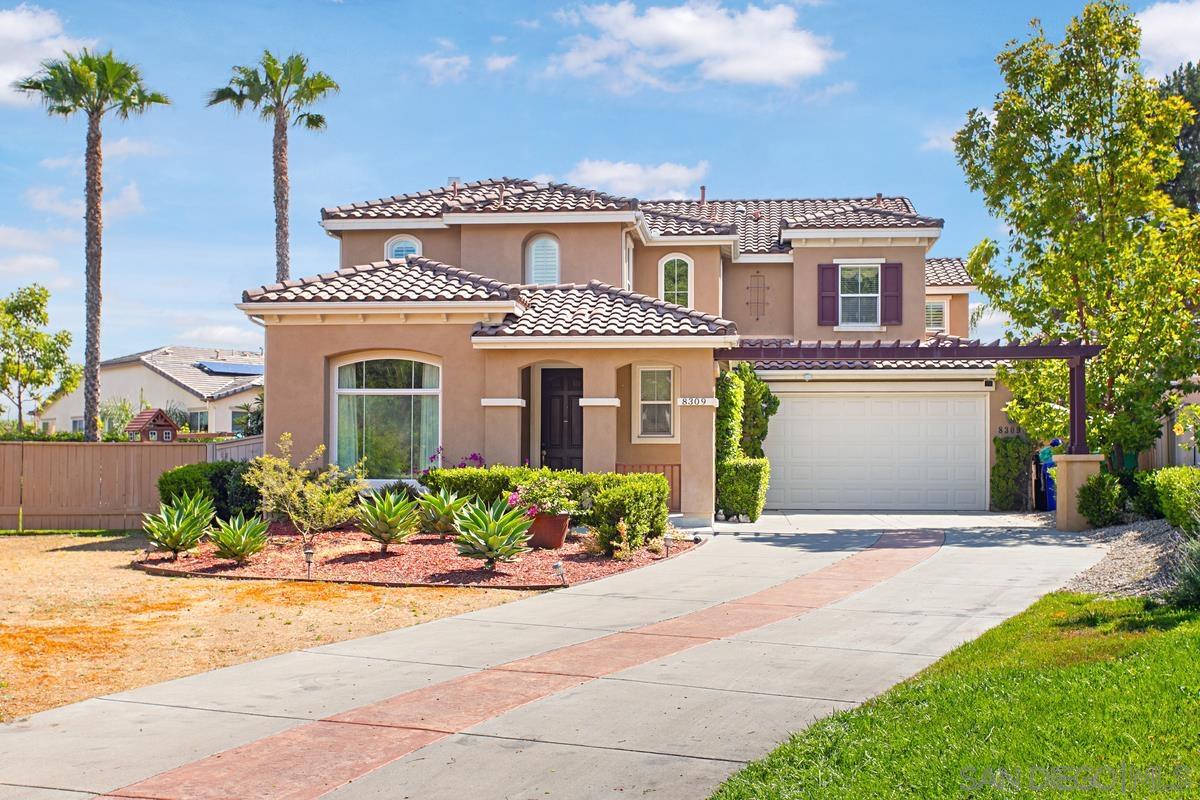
[
  {"x": 493, "y": 533},
  {"x": 388, "y": 518},
  {"x": 239, "y": 538},
  {"x": 179, "y": 525},
  {"x": 440, "y": 510}
]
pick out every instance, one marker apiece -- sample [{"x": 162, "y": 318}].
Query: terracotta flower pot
[{"x": 549, "y": 531}]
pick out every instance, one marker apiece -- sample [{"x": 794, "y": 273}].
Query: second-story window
[
  {"x": 858, "y": 290},
  {"x": 401, "y": 247},
  {"x": 541, "y": 260},
  {"x": 675, "y": 280},
  {"x": 935, "y": 315}
]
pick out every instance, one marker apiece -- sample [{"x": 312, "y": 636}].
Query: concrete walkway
[{"x": 658, "y": 682}]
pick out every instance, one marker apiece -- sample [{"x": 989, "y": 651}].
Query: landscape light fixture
[
  {"x": 308, "y": 559},
  {"x": 557, "y": 566}
]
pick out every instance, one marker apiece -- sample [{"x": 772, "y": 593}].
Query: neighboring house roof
[
  {"x": 757, "y": 223},
  {"x": 180, "y": 364},
  {"x": 597, "y": 309},
  {"x": 593, "y": 309},
  {"x": 394, "y": 280},
  {"x": 946, "y": 272}
]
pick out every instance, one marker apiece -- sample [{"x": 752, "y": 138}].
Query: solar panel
[{"x": 227, "y": 368}]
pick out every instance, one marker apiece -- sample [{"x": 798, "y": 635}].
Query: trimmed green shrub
[
  {"x": 220, "y": 481},
  {"x": 179, "y": 525},
  {"x": 493, "y": 533},
  {"x": 742, "y": 486},
  {"x": 240, "y": 537},
  {"x": 484, "y": 483},
  {"x": 1010, "y": 473},
  {"x": 1179, "y": 495},
  {"x": 760, "y": 404},
  {"x": 640, "y": 501},
  {"x": 1101, "y": 499},
  {"x": 731, "y": 400},
  {"x": 388, "y": 518},
  {"x": 1145, "y": 495},
  {"x": 1187, "y": 576}
]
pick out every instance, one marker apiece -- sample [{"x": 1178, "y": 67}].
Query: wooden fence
[
  {"x": 236, "y": 449},
  {"x": 670, "y": 471},
  {"x": 77, "y": 485}
]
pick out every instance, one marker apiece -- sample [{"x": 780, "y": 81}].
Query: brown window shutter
[
  {"x": 827, "y": 294},
  {"x": 891, "y": 298}
]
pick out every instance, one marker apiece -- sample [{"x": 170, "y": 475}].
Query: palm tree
[
  {"x": 281, "y": 91},
  {"x": 93, "y": 84}
]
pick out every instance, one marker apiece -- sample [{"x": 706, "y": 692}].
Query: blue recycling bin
[{"x": 1048, "y": 484}]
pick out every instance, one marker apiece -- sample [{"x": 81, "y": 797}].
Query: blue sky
[{"x": 831, "y": 98}]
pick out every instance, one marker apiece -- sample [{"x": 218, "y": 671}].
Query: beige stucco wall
[
  {"x": 298, "y": 396},
  {"x": 804, "y": 291},
  {"x": 960, "y": 315},
  {"x": 136, "y": 383},
  {"x": 706, "y": 273},
  {"x": 587, "y": 251},
  {"x": 365, "y": 247},
  {"x": 777, "y": 321}
]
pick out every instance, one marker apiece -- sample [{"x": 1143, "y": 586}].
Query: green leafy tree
[
  {"x": 1184, "y": 188},
  {"x": 115, "y": 414},
  {"x": 281, "y": 91},
  {"x": 34, "y": 364},
  {"x": 95, "y": 85},
  {"x": 760, "y": 405},
  {"x": 1071, "y": 158}
]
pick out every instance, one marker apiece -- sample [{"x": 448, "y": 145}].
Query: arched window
[
  {"x": 402, "y": 247},
  {"x": 387, "y": 412},
  {"x": 675, "y": 279},
  {"x": 541, "y": 260}
]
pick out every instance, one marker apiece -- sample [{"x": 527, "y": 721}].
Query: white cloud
[
  {"x": 827, "y": 93},
  {"x": 1170, "y": 33},
  {"x": 666, "y": 180},
  {"x": 29, "y": 34},
  {"x": 25, "y": 263},
  {"x": 12, "y": 238},
  {"x": 529, "y": 24},
  {"x": 444, "y": 67},
  {"x": 113, "y": 149},
  {"x": 991, "y": 326},
  {"x": 939, "y": 139},
  {"x": 629, "y": 48},
  {"x": 51, "y": 199},
  {"x": 231, "y": 336},
  {"x": 499, "y": 63}
]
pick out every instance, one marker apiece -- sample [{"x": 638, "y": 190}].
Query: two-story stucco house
[{"x": 564, "y": 326}]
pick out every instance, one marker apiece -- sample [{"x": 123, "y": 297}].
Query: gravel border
[{"x": 1142, "y": 560}]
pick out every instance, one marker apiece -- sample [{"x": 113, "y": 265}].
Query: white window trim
[
  {"x": 375, "y": 355},
  {"x": 404, "y": 237},
  {"x": 945, "y": 315},
  {"x": 168, "y": 436},
  {"x": 627, "y": 265},
  {"x": 529, "y": 250},
  {"x": 860, "y": 326},
  {"x": 635, "y": 407},
  {"x": 691, "y": 270}
]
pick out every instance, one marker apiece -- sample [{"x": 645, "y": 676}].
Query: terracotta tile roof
[
  {"x": 667, "y": 224},
  {"x": 394, "y": 280},
  {"x": 597, "y": 309},
  {"x": 492, "y": 195},
  {"x": 180, "y": 365},
  {"x": 946, "y": 272},
  {"x": 833, "y": 364},
  {"x": 759, "y": 222}
]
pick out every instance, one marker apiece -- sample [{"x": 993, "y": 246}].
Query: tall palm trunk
[
  {"x": 279, "y": 159},
  {"x": 93, "y": 216}
]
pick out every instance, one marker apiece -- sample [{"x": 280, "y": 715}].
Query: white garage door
[{"x": 879, "y": 451}]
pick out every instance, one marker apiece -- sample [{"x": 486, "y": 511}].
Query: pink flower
[
  {"x": 514, "y": 499},
  {"x": 532, "y": 512}
]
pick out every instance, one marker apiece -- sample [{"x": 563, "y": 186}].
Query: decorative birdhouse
[{"x": 152, "y": 425}]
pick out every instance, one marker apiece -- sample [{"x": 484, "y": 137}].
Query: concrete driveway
[{"x": 659, "y": 682}]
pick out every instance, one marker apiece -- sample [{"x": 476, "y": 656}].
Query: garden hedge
[
  {"x": 742, "y": 486},
  {"x": 1010, "y": 473},
  {"x": 1101, "y": 499},
  {"x": 605, "y": 498},
  {"x": 1179, "y": 496},
  {"x": 219, "y": 480}
]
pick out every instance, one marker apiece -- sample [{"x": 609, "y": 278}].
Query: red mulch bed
[{"x": 350, "y": 556}]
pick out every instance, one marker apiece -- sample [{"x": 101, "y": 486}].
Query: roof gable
[{"x": 180, "y": 364}]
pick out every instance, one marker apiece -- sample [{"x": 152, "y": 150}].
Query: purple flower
[
  {"x": 532, "y": 512},
  {"x": 514, "y": 499}
]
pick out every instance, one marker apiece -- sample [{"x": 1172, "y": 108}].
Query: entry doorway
[{"x": 562, "y": 418}]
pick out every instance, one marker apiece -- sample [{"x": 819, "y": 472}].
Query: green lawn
[{"x": 1076, "y": 687}]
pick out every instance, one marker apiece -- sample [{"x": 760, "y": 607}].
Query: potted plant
[{"x": 548, "y": 502}]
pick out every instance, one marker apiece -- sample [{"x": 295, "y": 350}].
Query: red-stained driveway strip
[{"x": 312, "y": 759}]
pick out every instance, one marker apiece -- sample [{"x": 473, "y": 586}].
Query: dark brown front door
[{"x": 562, "y": 419}]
